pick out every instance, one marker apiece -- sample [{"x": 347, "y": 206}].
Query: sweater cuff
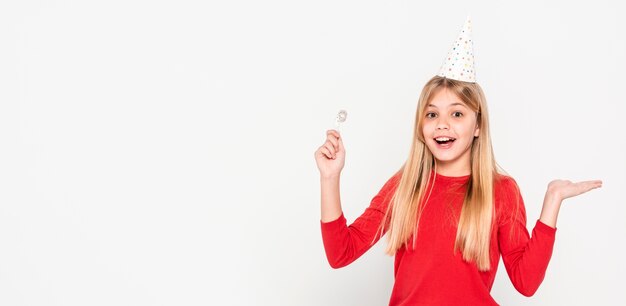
[
  {"x": 332, "y": 225},
  {"x": 540, "y": 226}
]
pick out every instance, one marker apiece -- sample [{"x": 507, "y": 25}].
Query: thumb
[{"x": 340, "y": 143}]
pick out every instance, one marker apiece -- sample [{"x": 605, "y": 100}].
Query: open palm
[{"x": 566, "y": 189}]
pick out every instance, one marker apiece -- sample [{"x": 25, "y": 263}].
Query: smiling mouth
[{"x": 444, "y": 140}]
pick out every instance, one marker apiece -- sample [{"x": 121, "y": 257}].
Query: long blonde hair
[{"x": 478, "y": 212}]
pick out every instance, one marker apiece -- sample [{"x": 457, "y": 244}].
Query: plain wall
[{"x": 161, "y": 152}]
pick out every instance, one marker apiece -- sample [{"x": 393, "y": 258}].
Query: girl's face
[{"x": 449, "y": 128}]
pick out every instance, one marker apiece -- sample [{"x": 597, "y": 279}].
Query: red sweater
[{"x": 433, "y": 274}]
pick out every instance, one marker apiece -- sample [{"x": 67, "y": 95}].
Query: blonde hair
[{"x": 478, "y": 213}]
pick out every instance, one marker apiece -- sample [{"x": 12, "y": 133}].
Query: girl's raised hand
[
  {"x": 563, "y": 189},
  {"x": 331, "y": 156}
]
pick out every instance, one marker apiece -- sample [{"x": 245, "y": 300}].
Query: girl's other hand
[
  {"x": 331, "y": 156},
  {"x": 563, "y": 189}
]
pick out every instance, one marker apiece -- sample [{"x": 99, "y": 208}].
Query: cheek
[
  {"x": 469, "y": 128},
  {"x": 427, "y": 128},
  {"x": 426, "y": 133}
]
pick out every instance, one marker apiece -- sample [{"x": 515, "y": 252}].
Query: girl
[{"x": 449, "y": 212}]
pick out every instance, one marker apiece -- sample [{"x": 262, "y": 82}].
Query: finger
[
  {"x": 324, "y": 151},
  {"x": 330, "y": 148},
  {"x": 334, "y": 140},
  {"x": 588, "y": 185},
  {"x": 327, "y": 153},
  {"x": 334, "y": 133},
  {"x": 591, "y": 183}
]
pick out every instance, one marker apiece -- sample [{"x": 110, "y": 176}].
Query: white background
[{"x": 161, "y": 152}]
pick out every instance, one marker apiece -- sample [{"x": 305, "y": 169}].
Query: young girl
[{"x": 449, "y": 211}]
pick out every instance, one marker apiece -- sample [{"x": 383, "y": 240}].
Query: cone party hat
[{"x": 459, "y": 64}]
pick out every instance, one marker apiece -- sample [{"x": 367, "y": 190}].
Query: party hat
[{"x": 459, "y": 63}]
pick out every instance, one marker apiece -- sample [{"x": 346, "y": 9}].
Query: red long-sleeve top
[{"x": 432, "y": 273}]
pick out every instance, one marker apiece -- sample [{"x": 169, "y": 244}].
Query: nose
[{"x": 442, "y": 124}]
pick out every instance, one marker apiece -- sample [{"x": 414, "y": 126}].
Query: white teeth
[{"x": 443, "y": 139}]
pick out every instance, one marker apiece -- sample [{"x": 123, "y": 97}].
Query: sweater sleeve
[
  {"x": 344, "y": 244},
  {"x": 525, "y": 259}
]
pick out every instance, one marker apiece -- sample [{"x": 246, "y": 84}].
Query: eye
[
  {"x": 457, "y": 114},
  {"x": 431, "y": 115}
]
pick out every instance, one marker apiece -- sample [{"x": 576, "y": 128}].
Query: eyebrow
[{"x": 453, "y": 104}]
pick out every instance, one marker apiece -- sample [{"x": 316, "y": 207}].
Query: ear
[{"x": 477, "y": 131}]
